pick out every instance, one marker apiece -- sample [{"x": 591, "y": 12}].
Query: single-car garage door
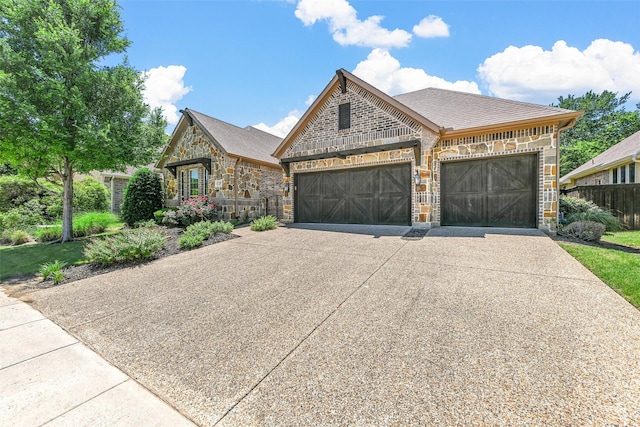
[
  {"x": 373, "y": 195},
  {"x": 494, "y": 192}
]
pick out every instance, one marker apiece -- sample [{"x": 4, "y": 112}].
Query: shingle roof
[
  {"x": 460, "y": 110},
  {"x": 625, "y": 149},
  {"x": 249, "y": 143}
]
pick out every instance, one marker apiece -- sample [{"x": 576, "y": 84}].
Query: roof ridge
[{"x": 479, "y": 95}]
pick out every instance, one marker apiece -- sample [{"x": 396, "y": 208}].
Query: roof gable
[
  {"x": 248, "y": 143},
  {"x": 338, "y": 81},
  {"x": 627, "y": 149}
]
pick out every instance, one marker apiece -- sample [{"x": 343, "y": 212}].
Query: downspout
[
  {"x": 113, "y": 195},
  {"x": 235, "y": 187}
]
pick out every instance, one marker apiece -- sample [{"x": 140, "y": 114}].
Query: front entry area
[
  {"x": 491, "y": 192},
  {"x": 370, "y": 195}
]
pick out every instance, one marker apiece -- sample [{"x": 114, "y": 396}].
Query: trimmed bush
[
  {"x": 142, "y": 197},
  {"x": 90, "y": 195},
  {"x": 131, "y": 245},
  {"x": 15, "y": 191},
  {"x": 589, "y": 231},
  {"x": 576, "y": 209},
  {"x": 264, "y": 223}
]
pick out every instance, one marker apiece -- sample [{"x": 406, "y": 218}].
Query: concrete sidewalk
[{"x": 49, "y": 378}]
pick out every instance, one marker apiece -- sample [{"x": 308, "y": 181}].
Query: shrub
[
  {"x": 159, "y": 214},
  {"x": 90, "y": 195},
  {"x": 589, "y": 231},
  {"x": 14, "y": 237},
  {"x": 190, "y": 241},
  {"x": 576, "y": 209},
  {"x": 15, "y": 191},
  {"x": 195, "y": 209},
  {"x": 49, "y": 234},
  {"x": 142, "y": 196},
  {"x": 20, "y": 237},
  {"x": 264, "y": 223},
  {"x": 145, "y": 224},
  {"x": 128, "y": 246},
  {"x": 89, "y": 223},
  {"x": 53, "y": 271},
  {"x": 20, "y": 217}
]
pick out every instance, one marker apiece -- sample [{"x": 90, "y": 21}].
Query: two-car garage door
[{"x": 493, "y": 192}]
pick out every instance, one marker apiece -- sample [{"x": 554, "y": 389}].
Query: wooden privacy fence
[{"x": 622, "y": 199}]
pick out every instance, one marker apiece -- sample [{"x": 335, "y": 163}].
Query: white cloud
[
  {"x": 164, "y": 86},
  {"x": 345, "y": 26},
  {"x": 431, "y": 26},
  {"x": 283, "y": 127},
  {"x": 533, "y": 74},
  {"x": 383, "y": 71},
  {"x": 310, "y": 100}
]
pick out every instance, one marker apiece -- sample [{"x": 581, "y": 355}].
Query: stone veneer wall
[
  {"x": 235, "y": 177},
  {"x": 541, "y": 140},
  {"x": 602, "y": 176}
]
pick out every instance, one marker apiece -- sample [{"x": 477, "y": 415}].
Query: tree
[
  {"x": 605, "y": 122},
  {"x": 142, "y": 197},
  {"x": 61, "y": 109}
]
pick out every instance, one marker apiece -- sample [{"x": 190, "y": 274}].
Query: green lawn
[
  {"x": 627, "y": 238},
  {"x": 620, "y": 270},
  {"x": 27, "y": 259}
]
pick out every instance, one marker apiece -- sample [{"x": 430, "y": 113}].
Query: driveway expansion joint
[{"x": 306, "y": 337}]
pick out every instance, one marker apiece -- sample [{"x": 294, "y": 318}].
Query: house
[
  {"x": 426, "y": 158},
  {"x": 115, "y": 182},
  {"x": 232, "y": 165},
  {"x": 611, "y": 181},
  {"x": 617, "y": 165}
]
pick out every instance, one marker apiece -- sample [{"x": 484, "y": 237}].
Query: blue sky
[{"x": 252, "y": 62}]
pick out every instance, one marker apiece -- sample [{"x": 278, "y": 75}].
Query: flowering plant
[{"x": 192, "y": 210}]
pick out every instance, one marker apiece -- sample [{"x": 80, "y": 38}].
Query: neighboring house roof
[
  {"x": 626, "y": 150},
  {"x": 460, "y": 110},
  {"x": 446, "y": 112},
  {"x": 248, "y": 143}
]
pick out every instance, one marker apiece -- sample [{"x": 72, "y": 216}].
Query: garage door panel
[
  {"x": 496, "y": 192},
  {"x": 374, "y": 195}
]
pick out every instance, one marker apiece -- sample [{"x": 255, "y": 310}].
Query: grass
[
  {"x": 27, "y": 259},
  {"x": 626, "y": 238},
  {"x": 620, "y": 270}
]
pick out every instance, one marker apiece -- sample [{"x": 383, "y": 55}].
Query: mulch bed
[
  {"x": 19, "y": 286},
  {"x": 600, "y": 244}
]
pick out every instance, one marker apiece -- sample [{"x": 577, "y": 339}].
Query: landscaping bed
[{"x": 18, "y": 286}]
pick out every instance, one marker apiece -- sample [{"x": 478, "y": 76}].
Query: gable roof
[
  {"x": 456, "y": 111},
  {"x": 328, "y": 90},
  {"x": 627, "y": 149},
  {"x": 248, "y": 143},
  {"x": 446, "y": 112}
]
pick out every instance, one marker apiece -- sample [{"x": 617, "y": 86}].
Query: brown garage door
[
  {"x": 375, "y": 195},
  {"x": 495, "y": 192}
]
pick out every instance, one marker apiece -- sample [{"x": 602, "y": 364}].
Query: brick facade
[{"x": 375, "y": 123}]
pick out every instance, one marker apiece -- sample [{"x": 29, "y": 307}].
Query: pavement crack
[{"x": 307, "y": 336}]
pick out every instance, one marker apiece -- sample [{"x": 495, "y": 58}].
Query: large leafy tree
[
  {"x": 62, "y": 110},
  {"x": 605, "y": 122}
]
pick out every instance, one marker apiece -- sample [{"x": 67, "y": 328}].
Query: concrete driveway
[{"x": 308, "y": 327}]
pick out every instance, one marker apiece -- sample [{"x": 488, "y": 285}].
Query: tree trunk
[{"x": 67, "y": 202}]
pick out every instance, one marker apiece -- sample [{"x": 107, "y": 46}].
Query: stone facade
[
  {"x": 239, "y": 188},
  {"x": 376, "y": 123},
  {"x": 598, "y": 178}
]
